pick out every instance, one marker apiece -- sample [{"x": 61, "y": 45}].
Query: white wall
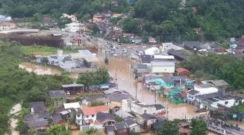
[
  {"x": 88, "y": 117},
  {"x": 227, "y": 103},
  {"x": 135, "y": 128},
  {"x": 163, "y": 69},
  {"x": 78, "y": 119}
]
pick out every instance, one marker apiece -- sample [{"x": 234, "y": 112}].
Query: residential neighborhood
[{"x": 121, "y": 67}]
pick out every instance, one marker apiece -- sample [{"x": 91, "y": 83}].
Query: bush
[{"x": 97, "y": 103}]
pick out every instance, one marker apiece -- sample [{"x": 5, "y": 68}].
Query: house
[
  {"x": 137, "y": 40},
  {"x": 74, "y": 105},
  {"x": 132, "y": 125},
  {"x": 39, "y": 125},
  {"x": 192, "y": 45},
  {"x": 123, "y": 114},
  {"x": 146, "y": 120},
  {"x": 47, "y": 21},
  {"x": 146, "y": 60},
  {"x": 140, "y": 108},
  {"x": 152, "y": 40},
  {"x": 97, "y": 18},
  {"x": 164, "y": 64},
  {"x": 116, "y": 99},
  {"x": 73, "y": 18},
  {"x": 109, "y": 130},
  {"x": 121, "y": 129},
  {"x": 35, "y": 117},
  {"x": 100, "y": 98},
  {"x": 152, "y": 51},
  {"x": 128, "y": 35},
  {"x": 7, "y": 25},
  {"x": 105, "y": 119},
  {"x": 73, "y": 27},
  {"x": 178, "y": 54},
  {"x": 182, "y": 72},
  {"x": 220, "y": 84},
  {"x": 90, "y": 113},
  {"x": 116, "y": 15},
  {"x": 59, "y": 96},
  {"x": 141, "y": 68},
  {"x": 57, "y": 119},
  {"x": 37, "y": 107},
  {"x": 79, "y": 117},
  {"x": 226, "y": 101}
]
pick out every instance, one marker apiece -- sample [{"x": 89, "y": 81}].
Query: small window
[
  {"x": 78, "y": 115},
  {"x": 226, "y": 102},
  {"x": 92, "y": 115}
]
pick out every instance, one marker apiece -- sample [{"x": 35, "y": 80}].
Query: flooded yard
[
  {"x": 39, "y": 69},
  {"x": 119, "y": 68}
]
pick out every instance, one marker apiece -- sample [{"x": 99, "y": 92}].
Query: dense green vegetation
[
  {"x": 84, "y": 9},
  {"x": 41, "y": 50},
  {"x": 199, "y": 127},
  {"x": 94, "y": 78},
  {"x": 223, "y": 67},
  {"x": 169, "y": 20},
  {"x": 17, "y": 85}
]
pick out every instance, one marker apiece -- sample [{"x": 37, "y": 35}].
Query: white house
[
  {"x": 90, "y": 113},
  {"x": 7, "y": 26},
  {"x": 74, "y": 105},
  {"x": 163, "y": 64},
  {"x": 152, "y": 51},
  {"x": 140, "y": 108},
  {"x": 73, "y": 27},
  {"x": 79, "y": 117},
  {"x": 152, "y": 40}
]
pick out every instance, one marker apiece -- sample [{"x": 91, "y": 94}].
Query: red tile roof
[
  {"x": 95, "y": 109},
  {"x": 181, "y": 70}
]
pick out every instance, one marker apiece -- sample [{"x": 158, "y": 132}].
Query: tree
[
  {"x": 118, "y": 119},
  {"x": 199, "y": 127},
  {"x": 44, "y": 60},
  {"x": 169, "y": 128},
  {"x": 58, "y": 130},
  {"x": 90, "y": 131},
  {"x": 97, "y": 103}
]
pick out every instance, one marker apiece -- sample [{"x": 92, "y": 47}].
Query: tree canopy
[
  {"x": 223, "y": 67},
  {"x": 172, "y": 20},
  {"x": 169, "y": 128},
  {"x": 17, "y": 85},
  {"x": 199, "y": 127}
]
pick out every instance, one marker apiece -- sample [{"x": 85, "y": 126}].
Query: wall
[
  {"x": 78, "y": 119},
  {"x": 163, "y": 69},
  {"x": 227, "y": 103},
  {"x": 135, "y": 128},
  {"x": 90, "y": 117}
]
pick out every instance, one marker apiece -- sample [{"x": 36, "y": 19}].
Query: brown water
[
  {"x": 126, "y": 82},
  {"x": 38, "y": 69}
]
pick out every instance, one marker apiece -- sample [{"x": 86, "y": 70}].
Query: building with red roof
[
  {"x": 182, "y": 72},
  {"x": 7, "y": 25},
  {"x": 90, "y": 113}
]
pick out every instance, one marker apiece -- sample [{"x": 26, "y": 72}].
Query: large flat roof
[{"x": 85, "y": 54}]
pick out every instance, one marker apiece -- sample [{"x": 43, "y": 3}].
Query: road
[{"x": 13, "y": 122}]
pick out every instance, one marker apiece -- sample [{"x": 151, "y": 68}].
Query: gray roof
[
  {"x": 146, "y": 116},
  {"x": 57, "y": 94},
  {"x": 129, "y": 121},
  {"x": 212, "y": 95},
  {"x": 158, "y": 106},
  {"x": 219, "y": 83},
  {"x": 93, "y": 98},
  {"x": 120, "y": 125},
  {"x": 141, "y": 66},
  {"x": 146, "y": 58},
  {"x": 56, "y": 118},
  {"x": 38, "y": 107},
  {"x": 35, "y": 117},
  {"x": 192, "y": 43},
  {"x": 193, "y": 92},
  {"x": 177, "y": 53},
  {"x": 39, "y": 123},
  {"x": 118, "y": 97},
  {"x": 102, "y": 117},
  {"x": 109, "y": 128},
  {"x": 123, "y": 114},
  {"x": 78, "y": 111}
]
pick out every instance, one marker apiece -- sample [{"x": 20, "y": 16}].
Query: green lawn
[{"x": 41, "y": 50}]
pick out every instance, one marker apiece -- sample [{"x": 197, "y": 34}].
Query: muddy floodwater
[
  {"x": 119, "y": 67},
  {"x": 38, "y": 69}
]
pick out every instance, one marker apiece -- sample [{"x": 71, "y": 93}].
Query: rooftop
[
  {"x": 38, "y": 107},
  {"x": 120, "y": 125},
  {"x": 95, "y": 109},
  {"x": 73, "y": 105},
  {"x": 37, "y": 124},
  {"x": 57, "y": 94},
  {"x": 72, "y": 85}
]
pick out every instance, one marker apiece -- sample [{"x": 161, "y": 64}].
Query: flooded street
[
  {"x": 38, "y": 69},
  {"x": 127, "y": 82}
]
